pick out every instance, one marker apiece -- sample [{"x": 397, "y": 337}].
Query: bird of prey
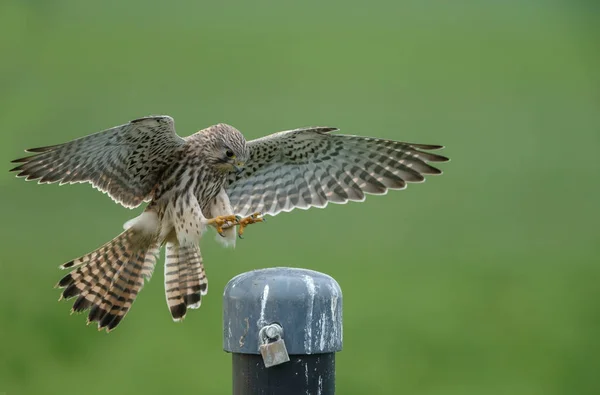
[{"x": 213, "y": 178}]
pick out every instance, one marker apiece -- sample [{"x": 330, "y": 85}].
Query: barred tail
[
  {"x": 185, "y": 279},
  {"x": 107, "y": 280}
]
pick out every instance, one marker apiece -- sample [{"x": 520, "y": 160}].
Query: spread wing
[
  {"x": 125, "y": 161},
  {"x": 310, "y": 167}
]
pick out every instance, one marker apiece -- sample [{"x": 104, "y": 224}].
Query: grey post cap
[{"x": 307, "y": 304}]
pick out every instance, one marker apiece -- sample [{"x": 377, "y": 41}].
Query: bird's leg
[
  {"x": 249, "y": 220},
  {"x": 223, "y": 221},
  {"x": 227, "y": 221}
]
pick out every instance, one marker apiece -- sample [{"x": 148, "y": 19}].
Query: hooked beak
[{"x": 239, "y": 167}]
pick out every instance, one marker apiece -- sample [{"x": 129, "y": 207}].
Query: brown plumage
[{"x": 199, "y": 181}]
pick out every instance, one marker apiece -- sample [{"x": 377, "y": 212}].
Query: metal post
[{"x": 283, "y": 327}]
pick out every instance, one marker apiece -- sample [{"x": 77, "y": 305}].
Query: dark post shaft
[
  {"x": 304, "y": 374},
  {"x": 307, "y": 307}
]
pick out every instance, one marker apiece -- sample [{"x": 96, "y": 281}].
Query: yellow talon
[
  {"x": 219, "y": 222},
  {"x": 249, "y": 220},
  {"x": 227, "y": 221}
]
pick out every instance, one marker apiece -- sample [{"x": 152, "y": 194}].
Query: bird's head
[{"x": 225, "y": 148}]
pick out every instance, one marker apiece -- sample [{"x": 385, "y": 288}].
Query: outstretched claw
[
  {"x": 249, "y": 220},
  {"x": 223, "y": 221}
]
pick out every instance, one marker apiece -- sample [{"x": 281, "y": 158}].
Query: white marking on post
[
  {"x": 306, "y": 376},
  {"x": 310, "y": 288},
  {"x": 320, "y": 387},
  {"x": 323, "y": 331},
  {"x": 263, "y": 305}
]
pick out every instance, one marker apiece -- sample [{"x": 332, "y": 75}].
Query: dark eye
[{"x": 229, "y": 153}]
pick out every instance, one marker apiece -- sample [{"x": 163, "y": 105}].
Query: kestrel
[{"x": 211, "y": 178}]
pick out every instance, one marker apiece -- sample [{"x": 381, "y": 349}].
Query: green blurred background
[{"x": 485, "y": 280}]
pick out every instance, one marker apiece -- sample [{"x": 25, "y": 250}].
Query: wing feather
[
  {"x": 124, "y": 161},
  {"x": 311, "y": 167}
]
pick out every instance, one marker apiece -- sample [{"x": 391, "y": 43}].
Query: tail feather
[
  {"x": 172, "y": 290},
  {"x": 185, "y": 272},
  {"x": 123, "y": 292},
  {"x": 107, "y": 280},
  {"x": 185, "y": 279},
  {"x": 150, "y": 261},
  {"x": 92, "y": 256},
  {"x": 194, "y": 285}
]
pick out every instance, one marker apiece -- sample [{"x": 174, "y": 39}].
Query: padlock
[{"x": 274, "y": 353}]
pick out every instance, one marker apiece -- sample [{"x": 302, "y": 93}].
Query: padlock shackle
[{"x": 270, "y": 332}]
